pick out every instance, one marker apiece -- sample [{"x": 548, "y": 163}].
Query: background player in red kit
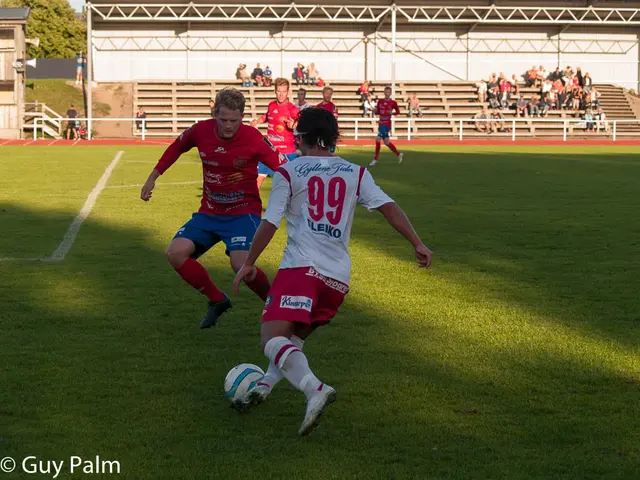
[
  {"x": 231, "y": 207},
  {"x": 326, "y": 103},
  {"x": 281, "y": 118},
  {"x": 385, "y": 109},
  {"x": 317, "y": 194}
]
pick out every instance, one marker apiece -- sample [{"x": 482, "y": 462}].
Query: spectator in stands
[
  {"x": 268, "y": 77},
  {"x": 414, "y": 105},
  {"x": 482, "y": 120},
  {"x": 320, "y": 82},
  {"x": 589, "y": 125},
  {"x": 492, "y": 96},
  {"x": 534, "y": 106},
  {"x": 82, "y": 131},
  {"x": 602, "y": 123},
  {"x": 368, "y": 107},
  {"x": 302, "y": 99},
  {"x": 363, "y": 91},
  {"x": 568, "y": 72},
  {"x": 298, "y": 74},
  {"x": 561, "y": 94},
  {"x": 595, "y": 97},
  {"x": 542, "y": 74},
  {"x": 515, "y": 88},
  {"x": 521, "y": 106},
  {"x": 243, "y": 75},
  {"x": 547, "y": 86},
  {"x": 505, "y": 92},
  {"x": 531, "y": 77},
  {"x": 580, "y": 77},
  {"x": 557, "y": 75},
  {"x": 552, "y": 99},
  {"x": 142, "y": 114},
  {"x": 574, "y": 99},
  {"x": 81, "y": 62},
  {"x": 497, "y": 122},
  {"x": 312, "y": 74},
  {"x": 588, "y": 83},
  {"x": 257, "y": 76},
  {"x": 482, "y": 91},
  {"x": 546, "y": 104},
  {"x": 72, "y": 125},
  {"x": 493, "y": 82}
]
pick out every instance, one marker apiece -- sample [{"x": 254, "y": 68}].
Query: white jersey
[{"x": 318, "y": 196}]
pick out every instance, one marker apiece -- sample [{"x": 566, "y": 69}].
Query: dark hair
[
  {"x": 231, "y": 98},
  {"x": 318, "y": 126}
]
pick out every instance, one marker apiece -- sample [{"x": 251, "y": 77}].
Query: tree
[{"x": 54, "y": 22}]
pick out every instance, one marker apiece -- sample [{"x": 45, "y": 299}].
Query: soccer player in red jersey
[
  {"x": 326, "y": 103},
  {"x": 230, "y": 209},
  {"x": 281, "y": 118},
  {"x": 317, "y": 194},
  {"x": 385, "y": 109}
]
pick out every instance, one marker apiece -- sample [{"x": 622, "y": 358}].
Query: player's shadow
[{"x": 102, "y": 354}]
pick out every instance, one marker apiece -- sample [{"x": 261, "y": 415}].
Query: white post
[
  {"x": 460, "y": 130},
  {"x": 393, "y": 50},
  {"x": 35, "y": 129},
  {"x": 408, "y": 129},
  {"x": 615, "y": 131},
  {"x": 356, "y": 134},
  {"x": 144, "y": 128},
  {"x": 89, "y": 79},
  {"x": 513, "y": 130},
  {"x": 564, "y": 130}
]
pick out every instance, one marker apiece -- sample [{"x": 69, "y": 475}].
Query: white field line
[{"x": 157, "y": 184}]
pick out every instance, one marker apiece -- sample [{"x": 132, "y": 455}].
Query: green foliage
[
  {"x": 54, "y": 22},
  {"x": 58, "y": 94}
]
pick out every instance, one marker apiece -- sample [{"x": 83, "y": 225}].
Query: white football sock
[
  {"x": 273, "y": 375},
  {"x": 293, "y": 365}
]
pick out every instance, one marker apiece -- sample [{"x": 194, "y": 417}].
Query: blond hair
[{"x": 281, "y": 81}]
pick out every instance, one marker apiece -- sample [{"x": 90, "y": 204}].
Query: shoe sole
[
  {"x": 243, "y": 406},
  {"x": 304, "y": 431}
]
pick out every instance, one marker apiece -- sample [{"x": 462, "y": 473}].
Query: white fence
[{"x": 403, "y": 128}]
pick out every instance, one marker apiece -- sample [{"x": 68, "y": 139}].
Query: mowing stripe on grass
[{"x": 74, "y": 228}]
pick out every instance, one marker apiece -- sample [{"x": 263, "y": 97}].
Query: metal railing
[{"x": 405, "y": 128}]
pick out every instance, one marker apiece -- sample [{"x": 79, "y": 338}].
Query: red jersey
[
  {"x": 229, "y": 167},
  {"x": 329, "y": 107},
  {"x": 385, "y": 109},
  {"x": 277, "y": 131}
]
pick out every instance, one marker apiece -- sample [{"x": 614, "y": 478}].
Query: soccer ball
[{"x": 240, "y": 379}]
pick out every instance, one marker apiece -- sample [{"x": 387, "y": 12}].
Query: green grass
[
  {"x": 516, "y": 356},
  {"x": 58, "y": 95}
]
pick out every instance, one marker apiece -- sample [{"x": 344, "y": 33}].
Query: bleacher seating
[{"x": 181, "y": 102}]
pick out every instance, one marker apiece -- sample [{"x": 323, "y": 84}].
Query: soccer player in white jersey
[{"x": 317, "y": 194}]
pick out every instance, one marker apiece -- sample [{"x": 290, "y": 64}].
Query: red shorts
[{"x": 303, "y": 295}]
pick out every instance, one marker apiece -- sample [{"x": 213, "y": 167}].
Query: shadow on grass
[{"x": 102, "y": 355}]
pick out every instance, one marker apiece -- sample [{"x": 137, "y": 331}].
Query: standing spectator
[
  {"x": 326, "y": 103},
  {"x": 414, "y": 105},
  {"x": 364, "y": 90},
  {"x": 575, "y": 99},
  {"x": 81, "y": 62},
  {"x": 298, "y": 74},
  {"x": 580, "y": 77},
  {"x": 588, "y": 82},
  {"x": 482, "y": 91},
  {"x": 521, "y": 106},
  {"x": 312, "y": 74},
  {"x": 595, "y": 97},
  {"x": 211, "y": 109},
  {"x": 268, "y": 77},
  {"x": 72, "y": 124},
  {"x": 561, "y": 95},
  {"x": 142, "y": 114},
  {"x": 534, "y": 106},
  {"x": 302, "y": 100},
  {"x": 257, "y": 75}
]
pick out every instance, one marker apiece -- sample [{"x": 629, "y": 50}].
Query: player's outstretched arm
[
  {"x": 258, "y": 121},
  {"x": 398, "y": 220},
  {"x": 262, "y": 238},
  {"x": 149, "y": 185}
]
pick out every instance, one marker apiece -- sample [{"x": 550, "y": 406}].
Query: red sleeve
[
  {"x": 396, "y": 107},
  {"x": 182, "y": 144},
  {"x": 268, "y": 154}
]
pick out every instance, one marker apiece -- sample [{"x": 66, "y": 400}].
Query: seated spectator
[
  {"x": 298, "y": 74},
  {"x": 542, "y": 74},
  {"x": 482, "y": 120},
  {"x": 244, "y": 76},
  {"x": 568, "y": 72},
  {"x": 552, "y": 99},
  {"x": 589, "y": 125},
  {"x": 532, "y": 77},
  {"x": 368, "y": 107},
  {"x": 320, "y": 82},
  {"x": 139, "y": 116},
  {"x": 601, "y": 123},
  {"x": 515, "y": 88},
  {"x": 363, "y": 91},
  {"x": 492, "y": 96},
  {"x": 493, "y": 82},
  {"x": 482, "y": 91},
  {"x": 497, "y": 122},
  {"x": 595, "y": 97},
  {"x": 556, "y": 75},
  {"x": 414, "y": 105},
  {"x": 546, "y": 104},
  {"x": 521, "y": 107},
  {"x": 505, "y": 92},
  {"x": 312, "y": 74},
  {"x": 268, "y": 77},
  {"x": 574, "y": 99},
  {"x": 257, "y": 75},
  {"x": 82, "y": 131},
  {"x": 534, "y": 106},
  {"x": 547, "y": 86}
]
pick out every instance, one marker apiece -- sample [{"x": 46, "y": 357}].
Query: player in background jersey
[
  {"x": 385, "y": 109},
  {"x": 281, "y": 117},
  {"x": 326, "y": 103},
  {"x": 317, "y": 194},
  {"x": 230, "y": 209}
]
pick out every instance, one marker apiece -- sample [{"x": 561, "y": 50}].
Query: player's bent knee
[{"x": 178, "y": 251}]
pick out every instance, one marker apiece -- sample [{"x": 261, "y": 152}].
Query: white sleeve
[
  {"x": 278, "y": 199},
  {"x": 371, "y": 195}
]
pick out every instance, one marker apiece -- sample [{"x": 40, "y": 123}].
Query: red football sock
[
  {"x": 196, "y": 275},
  {"x": 393, "y": 148},
  {"x": 260, "y": 285},
  {"x": 377, "y": 151}
]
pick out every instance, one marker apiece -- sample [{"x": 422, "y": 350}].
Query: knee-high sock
[
  {"x": 197, "y": 276},
  {"x": 273, "y": 375},
  {"x": 293, "y": 365}
]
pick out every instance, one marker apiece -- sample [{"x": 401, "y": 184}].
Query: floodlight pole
[
  {"x": 89, "y": 79},
  {"x": 394, "y": 9}
]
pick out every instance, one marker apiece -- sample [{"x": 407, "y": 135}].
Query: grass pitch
[{"x": 517, "y": 356}]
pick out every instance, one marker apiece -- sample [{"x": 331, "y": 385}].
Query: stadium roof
[
  {"x": 513, "y": 12},
  {"x": 15, "y": 15}
]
